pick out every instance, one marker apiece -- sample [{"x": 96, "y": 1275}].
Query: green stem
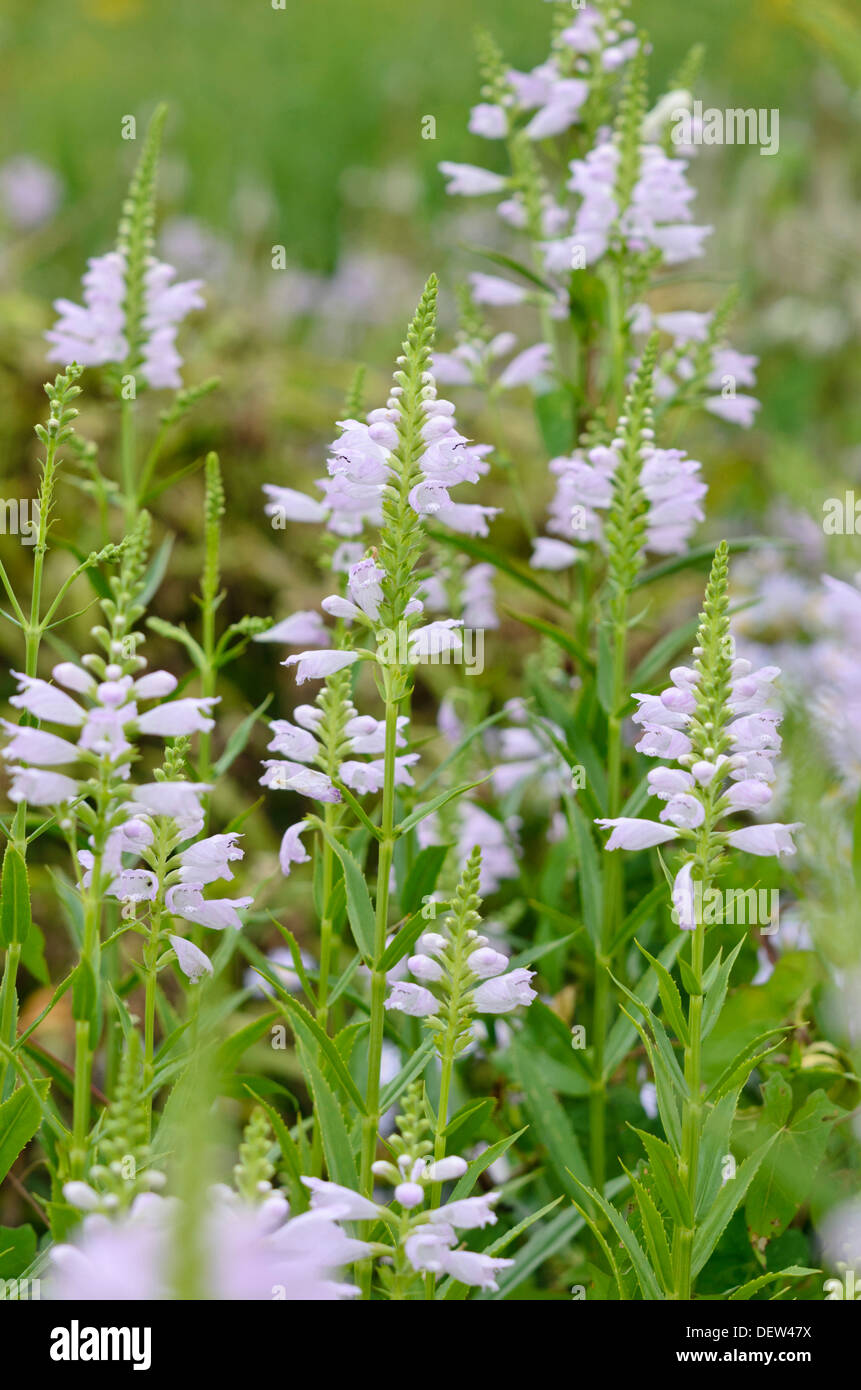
[
  {"x": 691, "y": 1117},
  {"x": 150, "y": 959},
  {"x": 371, "y": 1122},
  {"x": 326, "y": 924},
  {"x": 613, "y": 898},
  {"x": 618, "y": 335},
  {"x": 33, "y": 631},
  {"x": 83, "y": 1028},
  {"x": 81, "y": 1102},
  {"x": 127, "y": 461}
]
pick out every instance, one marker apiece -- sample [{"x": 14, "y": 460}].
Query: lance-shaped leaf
[
  {"x": 15, "y": 916},
  {"x": 731, "y": 1196}
]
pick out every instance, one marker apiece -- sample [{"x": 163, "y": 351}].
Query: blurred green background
[{"x": 301, "y": 127}]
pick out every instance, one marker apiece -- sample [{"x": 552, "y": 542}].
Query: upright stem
[
  {"x": 691, "y": 1116},
  {"x": 127, "y": 461},
  {"x": 613, "y": 886},
  {"x": 326, "y": 923},
  {"x": 83, "y": 1028},
  {"x": 32, "y": 642},
  {"x": 150, "y": 958},
  {"x": 371, "y": 1122}
]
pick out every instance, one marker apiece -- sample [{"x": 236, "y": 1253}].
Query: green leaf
[
  {"x": 360, "y": 910},
  {"x": 414, "y": 1067},
  {"x": 453, "y": 1289},
  {"x": 20, "y": 1117},
  {"x": 856, "y": 845},
  {"x": 17, "y": 1250},
  {"x": 662, "y": 1041},
  {"x": 181, "y": 635},
  {"x": 509, "y": 263},
  {"x": 737, "y": 1071},
  {"x": 484, "y": 1161},
  {"x": 290, "y": 1154},
  {"x": 430, "y": 807},
  {"x": 466, "y": 1123},
  {"x": 645, "y": 1275},
  {"x": 700, "y": 558},
  {"x": 239, "y": 738},
  {"x": 714, "y": 1147},
  {"x": 654, "y": 1234},
  {"x": 551, "y": 1123},
  {"x": 604, "y": 685},
  {"x": 311, "y": 1032},
  {"x": 230, "y": 1051},
  {"x": 662, "y": 653},
  {"x": 556, "y": 634},
  {"x": 156, "y": 572},
  {"x": 520, "y": 573},
  {"x": 551, "y": 1238},
  {"x": 716, "y": 991},
  {"x": 658, "y": 657},
  {"x": 422, "y": 877},
  {"x": 623, "y": 1032},
  {"x": 745, "y": 1291},
  {"x": 670, "y": 997},
  {"x": 588, "y": 872},
  {"x": 786, "y": 1176},
  {"x": 15, "y": 915},
  {"x": 403, "y": 940},
  {"x": 731, "y": 1196},
  {"x": 553, "y": 411},
  {"x": 641, "y": 913},
  {"x": 33, "y": 955},
  {"x": 331, "y": 1124},
  {"x": 664, "y": 1174}
]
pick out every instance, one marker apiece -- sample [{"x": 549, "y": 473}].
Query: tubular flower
[
  {"x": 253, "y": 1252},
  {"x": 105, "y": 722},
  {"x": 360, "y": 469},
  {"x": 670, "y": 482},
  {"x": 93, "y": 334},
  {"x": 716, "y": 723},
  {"x": 426, "y": 1234}
]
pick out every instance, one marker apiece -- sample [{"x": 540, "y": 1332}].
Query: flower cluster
[
  {"x": 427, "y": 1236},
  {"x": 470, "y": 363},
  {"x": 251, "y": 1251},
  {"x": 716, "y": 723},
  {"x": 496, "y": 989},
  {"x": 306, "y": 763},
  {"x": 657, "y": 216},
  {"x": 549, "y": 100},
  {"x": 700, "y": 364},
  {"x": 94, "y": 333},
  {"x": 468, "y": 974},
  {"x": 105, "y": 722},
  {"x": 361, "y": 466},
  {"x": 671, "y": 485}
]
